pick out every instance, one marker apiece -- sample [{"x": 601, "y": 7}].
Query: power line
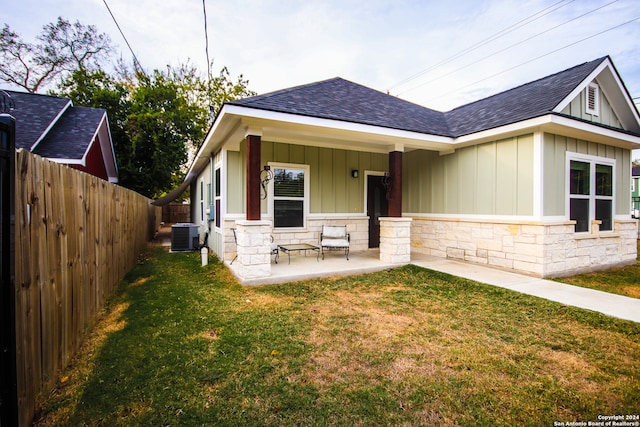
[
  {"x": 499, "y": 34},
  {"x": 539, "y": 57},
  {"x": 135, "y": 58},
  {"x": 206, "y": 38},
  {"x": 506, "y": 48}
]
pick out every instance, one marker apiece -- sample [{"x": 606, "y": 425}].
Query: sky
[{"x": 437, "y": 53}]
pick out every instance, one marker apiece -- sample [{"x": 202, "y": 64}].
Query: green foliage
[{"x": 155, "y": 119}]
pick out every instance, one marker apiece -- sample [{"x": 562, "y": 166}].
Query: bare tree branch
[{"x": 63, "y": 48}]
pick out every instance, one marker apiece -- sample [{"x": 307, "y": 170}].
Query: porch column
[
  {"x": 395, "y": 173},
  {"x": 253, "y": 249},
  {"x": 253, "y": 177},
  {"x": 395, "y": 240},
  {"x": 395, "y": 231}
]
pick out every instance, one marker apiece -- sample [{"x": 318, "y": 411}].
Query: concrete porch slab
[{"x": 307, "y": 267}]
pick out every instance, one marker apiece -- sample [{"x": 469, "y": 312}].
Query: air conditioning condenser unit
[{"x": 184, "y": 237}]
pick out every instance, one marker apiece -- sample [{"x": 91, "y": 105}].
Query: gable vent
[{"x": 593, "y": 95}]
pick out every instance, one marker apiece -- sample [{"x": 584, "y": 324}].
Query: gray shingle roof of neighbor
[
  {"x": 34, "y": 113},
  {"x": 339, "y": 99},
  {"x": 71, "y": 135}
]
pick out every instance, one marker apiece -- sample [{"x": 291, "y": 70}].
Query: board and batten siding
[
  {"x": 577, "y": 108},
  {"x": 555, "y": 172},
  {"x": 331, "y": 187},
  {"x": 494, "y": 178}
]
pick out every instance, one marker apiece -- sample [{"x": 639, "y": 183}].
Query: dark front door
[{"x": 377, "y": 206}]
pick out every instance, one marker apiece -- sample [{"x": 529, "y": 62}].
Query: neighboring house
[
  {"x": 635, "y": 191},
  {"x": 535, "y": 179},
  {"x": 52, "y": 127}
]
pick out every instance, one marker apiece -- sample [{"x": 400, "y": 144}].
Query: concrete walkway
[{"x": 610, "y": 304}]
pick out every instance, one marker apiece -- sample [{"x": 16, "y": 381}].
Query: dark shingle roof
[
  {"x": 72, "y": 134},
  {"x": 635, "y": 171},
  {"x": 521, "y": 103},
  {"x": 340, "y": 99},
  {"x": 34, "y": 113}
]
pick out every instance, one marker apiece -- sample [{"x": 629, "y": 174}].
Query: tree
[
  {"x": 155, "y": 120},
  {"x": 63, "y": 48}
]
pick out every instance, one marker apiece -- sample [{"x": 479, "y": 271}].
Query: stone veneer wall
[
  {"x": 539, "y": 249},
  {"x": 357, "y": 227}
]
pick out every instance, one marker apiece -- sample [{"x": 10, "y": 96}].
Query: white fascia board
[
  {"x": 208, "y": 145},
  {"x": 67, "y": 161},
  {"x": 550, "y": 123},
  {"x": 51, "y": 125},
  {"x": 518, "y": 128},
  {"x": 255, "y": 113},
  {"x": 576, "y": 91},
  {"x": 625, "y": 140}
]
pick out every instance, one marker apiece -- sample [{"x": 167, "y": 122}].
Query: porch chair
[
  {"x": 335, "y": 237},
  {"x": 274, "y": 248}
]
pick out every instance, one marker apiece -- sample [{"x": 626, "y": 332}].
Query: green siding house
[{"x": 535, "y": 179}]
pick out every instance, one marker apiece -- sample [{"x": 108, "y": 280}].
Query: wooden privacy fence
[{"x": 76, "y": 236}]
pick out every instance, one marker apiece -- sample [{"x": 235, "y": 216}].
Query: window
[
  {"x": 201, "y": 200},
  {"x": 593, "y": 99},
  {"x": 290, "y": 191},
  {"x": 591, "y": 192},
  {"x": 217, "y": 197}
]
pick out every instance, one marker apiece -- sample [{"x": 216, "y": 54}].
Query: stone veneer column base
[
  {"x": 254, "y": 248},
  {"x": 395, "y": 240}
]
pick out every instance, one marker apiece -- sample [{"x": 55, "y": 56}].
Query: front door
[{"x": 377, "y": 206}]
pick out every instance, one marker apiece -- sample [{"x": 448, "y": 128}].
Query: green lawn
[
  {"x": 623, "y": 281},
  {"x": 186, "y": 345}
]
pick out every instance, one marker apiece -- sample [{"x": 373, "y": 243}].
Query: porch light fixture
[
  {"x": 266, "y": 175},
  {"x": 354, "y": 173}
]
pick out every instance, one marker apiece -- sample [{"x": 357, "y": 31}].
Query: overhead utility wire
[
  {"x": 135, "y": 58},
  {"x": 206, "y": 38},
  {"x": 504, "y": 49},
  {"x": 499, "y": 34},
  {"x": 206, "y": 49},
  {"x": 539, "y": 57}
]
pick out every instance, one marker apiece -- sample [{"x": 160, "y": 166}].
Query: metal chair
[{"x": 274, "y": 248}]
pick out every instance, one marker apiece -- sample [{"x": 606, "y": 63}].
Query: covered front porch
[
  {"x": 304, "y": 267},
  {"x": 255, "y": 262}
]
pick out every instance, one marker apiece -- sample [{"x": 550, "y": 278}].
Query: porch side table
[{"x": 287, "y": 249}]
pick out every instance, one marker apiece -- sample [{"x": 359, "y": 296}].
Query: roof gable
[
  {"x": 606, "y": 76},
  {"x": 72, "y": 134}
]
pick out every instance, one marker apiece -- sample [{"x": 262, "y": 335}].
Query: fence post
[{"x": 8, "y": 376}]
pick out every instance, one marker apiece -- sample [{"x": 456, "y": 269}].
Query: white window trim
[
  {"x": 305, "y": 203},
  {"x": 592, "y": 160},
  {"x": 596, "y": 94},
  {"x": 201, "y": 197}
]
